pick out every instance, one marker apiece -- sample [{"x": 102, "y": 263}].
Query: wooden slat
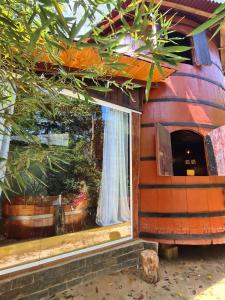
[
  {"x": 135, "y": 170},
  {"x": 164, "y": 151},
  {"x": 222, "y": 45},
  {"x": 215, "y": 143},
  {"x": 211, "y": 160},
  {"x": 201, "y": 49}
]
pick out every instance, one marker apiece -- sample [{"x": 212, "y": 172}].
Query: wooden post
[
  {"x": 59, "y": 217},
  {"x": 135, "y": 170}
]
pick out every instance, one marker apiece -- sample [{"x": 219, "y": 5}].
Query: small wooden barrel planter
[
  {"x": 75, "y": 218},
  {"x": 33, "y": 217},
  {"x": 23, "y": 220}
]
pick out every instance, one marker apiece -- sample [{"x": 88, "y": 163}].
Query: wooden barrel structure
[
  {"x": 183, "y": 209},
  {"x": 32, "y": 217}
]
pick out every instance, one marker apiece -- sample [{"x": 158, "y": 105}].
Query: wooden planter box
[{"x": 32, "y": 217}]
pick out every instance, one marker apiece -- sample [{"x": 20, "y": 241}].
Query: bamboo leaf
[
  {"x": 7, "y": 21},
  {"x": 159, "y": 67},
  {"x": 207, "y": 24},
  {"x": 34, "y": 38},
  {"x": 76, "y": 27},
  {"x": 99, "y": 88},
  {"x": 149, "y": 81},
  {"x": 219, "y": 9},
  {"x": 32, "y": 17},
  {"x": 60, "y": 15},
  {"x": 176, "y": 49}
]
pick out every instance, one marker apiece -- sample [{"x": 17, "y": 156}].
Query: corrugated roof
[{"x": 205, "y": 5}]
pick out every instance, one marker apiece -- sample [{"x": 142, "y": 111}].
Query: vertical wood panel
[
  {"x": 215, "y": 142},
  {"x": 148, "y": 142},
  {"x": 135, "y": 170},
  {"x": 132, "y": 100},
  {"x": 201, "y": 49},
  {"x": 211, "y": 160},
  {"x": 163, "y": 151}
]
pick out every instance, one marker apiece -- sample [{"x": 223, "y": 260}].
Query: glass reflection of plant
[
  {"x": 80, "y": 161},
  {"x": 85, "y": 128}
]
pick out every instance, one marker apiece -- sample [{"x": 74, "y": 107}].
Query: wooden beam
[
  {"x": 136, "y": 136},
  {"x": 25, "y": 252},
  {"x": 108, "y": 24},
  {"x": 222, "y": 45},
  {"x": 184, "y": 8}
]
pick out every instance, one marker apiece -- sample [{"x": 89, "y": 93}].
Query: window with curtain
[{"x": 88, "y": 196}]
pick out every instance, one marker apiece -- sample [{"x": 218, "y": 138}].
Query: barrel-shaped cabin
[{"x": 182, "y": 167}]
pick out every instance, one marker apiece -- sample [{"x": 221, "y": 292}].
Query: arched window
[
  {"x": 198, "y": 53},
  {"x": 188, "y": 153},
  {"x": 184, "y": 152}
]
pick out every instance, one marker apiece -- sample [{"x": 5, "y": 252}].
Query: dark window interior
[
  {"x": 188, "y": 153},
  {"x": 182, "y": 40}
]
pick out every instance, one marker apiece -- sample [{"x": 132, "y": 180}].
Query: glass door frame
[{"x": 100, "y": 246}]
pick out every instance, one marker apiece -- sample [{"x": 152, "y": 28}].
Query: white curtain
[{"x": 113, "y": 203}]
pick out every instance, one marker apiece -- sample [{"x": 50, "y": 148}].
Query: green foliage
[
  {"x": 66, "y": 166},
  {"x": 81, "y": 167},
  {"x": 217, "y": 20},
  {"x": 81, "y": 163},
  {"x": 26, "y": 166},
  {"x": 32, "y": 29}
]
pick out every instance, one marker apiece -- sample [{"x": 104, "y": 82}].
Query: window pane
[{"x": 82, "y": 198}]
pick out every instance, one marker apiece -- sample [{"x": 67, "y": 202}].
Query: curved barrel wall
[{"x": 183, "y": 209}]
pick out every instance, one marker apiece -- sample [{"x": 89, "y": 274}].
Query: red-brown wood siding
[{"x": 183, "y": 210}]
